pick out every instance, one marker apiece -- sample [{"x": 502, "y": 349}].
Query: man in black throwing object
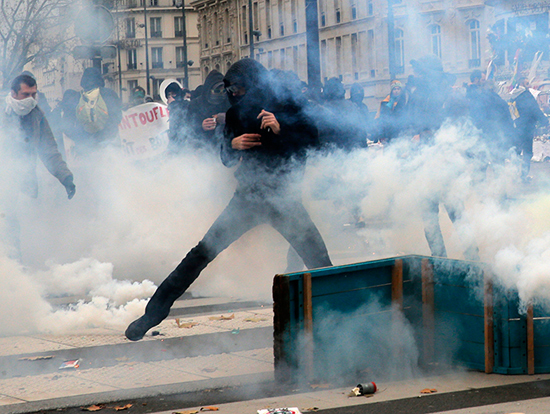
[{"x": 269, "y": 135}]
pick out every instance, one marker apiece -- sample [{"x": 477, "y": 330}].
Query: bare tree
[{"x": 29, "y": 30}]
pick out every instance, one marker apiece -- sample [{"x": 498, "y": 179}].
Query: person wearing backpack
[{"x": 98, "y": 113}]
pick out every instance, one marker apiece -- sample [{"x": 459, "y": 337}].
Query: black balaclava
[
  {"x": 334, "y": 90},
  {"x": 357, "y": 93},
  {"x": 91, "y": 79},
  {"x": 250, "y": 74}
]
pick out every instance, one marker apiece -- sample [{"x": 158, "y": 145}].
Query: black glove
[{"x": 69, "y": 186}]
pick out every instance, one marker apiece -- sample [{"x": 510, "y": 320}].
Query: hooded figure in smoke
[
  {"x": 430, "y": 104},
  {"x": 526, "y": 114},
  {"x": 206, "y": 115},
  {"x": 340, "y": 122},
  {"x": 98, "y": 113},
  {"x": 391, "y": 116},
  {"x": 26, "y": 136},
  {"x": 270, "y": 146}
]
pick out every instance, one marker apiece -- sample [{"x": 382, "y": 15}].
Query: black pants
[
  {"x": 526, "y": 148},
  {"x": 244, "y": 212}
]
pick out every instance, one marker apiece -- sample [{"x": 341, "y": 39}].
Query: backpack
[{"x": 92, "y": 114}]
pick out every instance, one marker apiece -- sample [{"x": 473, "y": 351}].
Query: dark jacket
[
  {"x": 30, "y": 137},
  {"x": 490, "y": 113},
  {"x": 391, "y": 118},
  {"x": 529, "y": 115},
  {"x": 204, "y": 107},
  {"x": 266, "y": 168}
]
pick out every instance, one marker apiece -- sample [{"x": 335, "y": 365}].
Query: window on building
[
  {"x": 204, "y": 33},
  {"x": 130, "y": 27},
  {"x": 156, "y": 88},
  {"x": 324, "y": 58},
  {"x": 294, "y": 15},
  {"x": 226, "y": 27},
  {"x": 475, "y": 44},
  {"x": 283, "y": 59},
  {"x": 323, "y": 20},
  {"x": 153, "y": 2},
  {"x": 155, "y": 26},
  {"x": 156, "y": 58},
  {"x": 179, "y": 57},
  {"x": 268, "y": 17},
  {"x": 354, "y": 56},
  {"x": 269, "y": 60},
  {"x": 338, "y": 46},
  {"x": 295, "y": 58},
  {"x": 132, "y": 84},
  {"x": 338, "y": 16},
  {"x": 370, "y": 8},
  {"x": 255, "y": 16},
  {"x": 178, "y": 26},
  {"x": 435, "y": 39},
  {"x": 353, "y": 11},
  {"x": 370, "y": 52},
  {"x": 132, "y": 59},
  {"x": 215, "y": 30},
  {"x": 280, "y": 9},
  {"x": 244, "y": 21},
  {"x": 399, "y": 51}
]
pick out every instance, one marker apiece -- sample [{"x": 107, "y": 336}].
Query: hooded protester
[
  {"x": 491, "y": 115},
  {"x": 206, "y": 115},
  {"x": 98, "y": 113},
  {"x": 356, "y": 96},
  {"x": 339, "y": 120},
  {"x": 429, "y": 105},
  {"x": 391, "y": 116},
  {"x": 269, "y": 147},
  {"x": 26, "y": 137},
  {"x": 177, "y": 108},
  {"x": 526, "y": 114}
]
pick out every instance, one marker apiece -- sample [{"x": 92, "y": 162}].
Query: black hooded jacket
[
  {"x": 204, "y": 107},
  {"x": 268, "y": 166}
]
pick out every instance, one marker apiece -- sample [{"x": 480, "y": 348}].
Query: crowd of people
[{"x": 266, "y": 122}]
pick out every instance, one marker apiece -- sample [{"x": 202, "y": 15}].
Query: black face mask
[{"x": 216, "y": 95}]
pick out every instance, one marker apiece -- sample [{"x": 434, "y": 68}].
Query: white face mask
[{"x": 20, "y": 107}]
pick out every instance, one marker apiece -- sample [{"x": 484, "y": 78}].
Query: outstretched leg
[
  {"x": 296, "y": 226},
  {"x": 432, "y": 230},
  {"x": 238, "y": 217}
]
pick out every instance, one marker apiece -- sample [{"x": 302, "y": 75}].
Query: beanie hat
[{"x": 91, "y": 79}]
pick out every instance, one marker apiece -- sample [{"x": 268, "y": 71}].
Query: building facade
[
  {"x": 353, "y": 37},
  {"x": 126, "y": 68}
]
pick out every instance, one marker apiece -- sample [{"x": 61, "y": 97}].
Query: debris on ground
[
  {"x": 186, "y": 412},
  {"x": 222, "y": 318},
  {"x": 210, "y": 409},
  {"x": 321, "y": 386},
  {"x": 311, "y": 409},
  {"x": 209, "y": 369},
  {"x": 428, "y": 391},
  {"x": 93, "y": 408},
  {"x": 75, "y": 363},
  {"x": 255, "y": 319},
  {"x": 36, "y": 358},
  {"x": 290, "y": 410},
  {"x": 236, "y": 331},
  {"x": 186, "y": 325},
  {"x": 124, "y": 407}
]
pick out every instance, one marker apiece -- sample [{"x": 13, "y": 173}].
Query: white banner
[{"x": 144, "y": 130}]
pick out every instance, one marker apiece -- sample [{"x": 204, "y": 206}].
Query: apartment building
[{"x": 353, "y": 37}]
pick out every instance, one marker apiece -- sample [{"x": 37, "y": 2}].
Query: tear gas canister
[{"x": 367, "y": 388}]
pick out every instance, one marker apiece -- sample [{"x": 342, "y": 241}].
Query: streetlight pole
[
  {"x": 312, "y": 48},
  {"x": 250, "y": 29},
  {"x": 178, "y": 4},
  {"x": 146, "y": 48},
  {"x": 391, "y": 40}
]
